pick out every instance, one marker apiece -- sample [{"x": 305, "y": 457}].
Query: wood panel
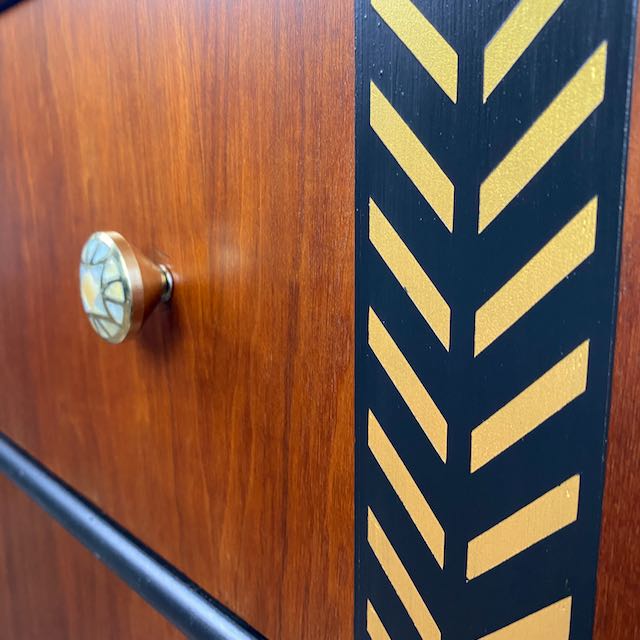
[
  {"x": 51, "y": 587},
  {"x": 216, "y": 136},
  {"x": 617, "y": 612}
]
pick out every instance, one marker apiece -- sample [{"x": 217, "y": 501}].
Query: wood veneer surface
[
  {"x": 218, "y": 137},
  {"x": 52, "y": 587}
]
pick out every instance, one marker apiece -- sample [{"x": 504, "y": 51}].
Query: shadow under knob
[{"x": 119, "y": 286}]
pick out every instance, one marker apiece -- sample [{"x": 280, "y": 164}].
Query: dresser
[{"x": 318, "y": 320}]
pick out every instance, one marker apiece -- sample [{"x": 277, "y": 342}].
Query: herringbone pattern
[{"x": 477, "y": 367}]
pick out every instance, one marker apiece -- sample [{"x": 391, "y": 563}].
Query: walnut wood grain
[
  {"x": 618, "y": 592},
  {"x": 217, "y": 136}
]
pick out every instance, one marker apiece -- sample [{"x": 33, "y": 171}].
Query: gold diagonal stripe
[
  {"x": 404, "y": 485},
  {"x": 409, "y": 274},
  {"x": 375, "y": 628},
  {"x": 551, "y": 623},
  {"x": 541, "y": 518},
  {"x": 411, "y": 155},
  {"x": 573, "y": 105},
  {"x": 513, "y": 38},
  {"x": 551, "y": 392},
  {"x": 408, "y": 385},
  {"x": 424, "y": 41},
  {"x": 554, "y": 262},
  {"x": 401, "y": 581}
]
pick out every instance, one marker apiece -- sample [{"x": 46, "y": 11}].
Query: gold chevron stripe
[
  {"x": 424, "y": 41},
  {"x": 408, "y": 384},
  {"x": 573, "y": 105},
  {"x": 411, "y": 155},
  {"x": 513, "y": 38},
  {"x": 401, "y": 581},
  {"x": 554, "y": 262},
  {"x": 404, "y": 485},
  {"x": 551, "y": 392},
  {"x": 375, "y": 628},
  {"x": 551, "y": 623},
  {"x": 410, "y": 274},
  {"x": 541, "y": 518}
]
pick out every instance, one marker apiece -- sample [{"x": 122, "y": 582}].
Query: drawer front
[{"x": 216, "y": 138}]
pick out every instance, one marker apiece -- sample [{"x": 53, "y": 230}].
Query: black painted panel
[{"x": 547, "y": 224}]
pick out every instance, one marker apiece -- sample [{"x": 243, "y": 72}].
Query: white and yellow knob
[{"x": 119, "y": 286}]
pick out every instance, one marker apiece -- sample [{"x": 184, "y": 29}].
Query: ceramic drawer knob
[{"x": 119, "y": 286}]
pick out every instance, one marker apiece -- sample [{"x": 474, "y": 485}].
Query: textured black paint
[{"x": 468, "y": 139}]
